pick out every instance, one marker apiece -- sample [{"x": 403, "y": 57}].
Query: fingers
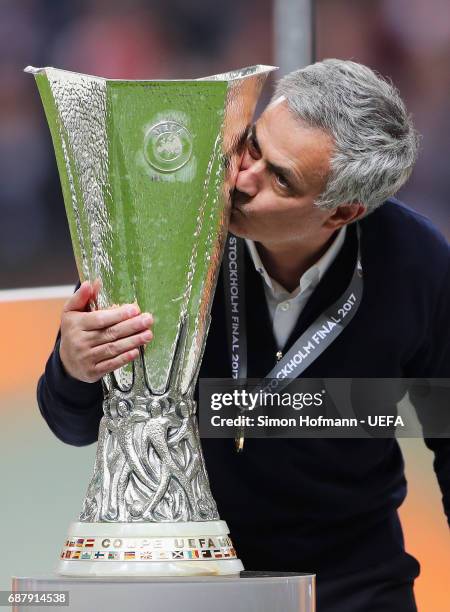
[
  {"x": 80, "y": 299},
  {"x": 129, "y": 327},
  {"x": 101, "y": 319},
  {"x": 95, "y": 343},
  {"x": 109, "y": 356},
  {"x": 111, "y": 350},
  {"x": 104, "y": 367}
]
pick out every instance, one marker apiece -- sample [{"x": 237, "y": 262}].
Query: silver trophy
[{"x": 147, "y": 169}]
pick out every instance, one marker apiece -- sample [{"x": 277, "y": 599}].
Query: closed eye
[
  {"x": 282, "y": 176},
  {"x": 282, "y": 181},
  {"x": 253, "y": 148}
]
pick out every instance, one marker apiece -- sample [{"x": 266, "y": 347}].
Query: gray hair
[{"x": 375, "y": 143}]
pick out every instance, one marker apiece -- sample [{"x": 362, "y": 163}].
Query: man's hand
[{"x": 95, "y": 343}]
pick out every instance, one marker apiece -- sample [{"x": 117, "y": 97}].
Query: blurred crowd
[{"x": 406, "y": 40}]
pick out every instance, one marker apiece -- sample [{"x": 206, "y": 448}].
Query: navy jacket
[{"x": 324, "y": 505}]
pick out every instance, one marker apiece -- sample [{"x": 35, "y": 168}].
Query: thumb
[{"x": 80, "y": 299}]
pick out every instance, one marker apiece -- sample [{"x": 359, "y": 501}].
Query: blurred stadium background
[{"x": 43, "y": 481}]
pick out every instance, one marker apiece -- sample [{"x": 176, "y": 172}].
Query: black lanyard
[{"x": 312, "y": 343}]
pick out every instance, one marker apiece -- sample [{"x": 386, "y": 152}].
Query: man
[{"x": 330, "y": 150}]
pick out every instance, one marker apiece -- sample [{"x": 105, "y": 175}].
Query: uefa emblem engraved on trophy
[{"x": 168, "y": 146}]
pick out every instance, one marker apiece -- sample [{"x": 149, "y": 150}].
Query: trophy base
[{"x": 149, "y": 549}]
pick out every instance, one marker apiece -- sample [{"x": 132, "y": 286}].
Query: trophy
[{"x": 147, "y": 169}]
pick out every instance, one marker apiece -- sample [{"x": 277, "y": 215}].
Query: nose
[{"x": 250, "y": 175}]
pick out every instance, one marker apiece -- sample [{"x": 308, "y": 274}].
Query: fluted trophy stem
[{"x": 147, "y": 169}]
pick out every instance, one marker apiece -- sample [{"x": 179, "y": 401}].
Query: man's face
[{"x": 283, "y": 171}]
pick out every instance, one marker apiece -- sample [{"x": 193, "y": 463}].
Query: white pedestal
[{"x": 249, "y": 592}]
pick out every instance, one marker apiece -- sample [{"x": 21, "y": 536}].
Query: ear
[{"x": 345, "y": 214}]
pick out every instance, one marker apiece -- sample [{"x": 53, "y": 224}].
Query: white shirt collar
[{"x": 313, "y": 275}]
